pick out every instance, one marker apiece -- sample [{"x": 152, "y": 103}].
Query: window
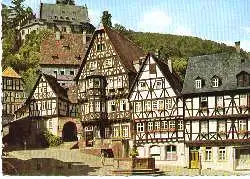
[
  {"x": 50, "y": 124},
  {"x": 172, "y": 124},
  {"x": 97, "y": 106},
  {"x": 171, "y": 152},
  {"x": 204, "y": 126},
  {"x": 148, "y": 105},
  {"x": 180, "y": 125},
  {"x": 44, "y": 105},
  {"x": 93, "y": 65},
  {"x": 169, "y": 103},
  {"x": 140, "y": 127},
  {"x": 72, "y": 73},
  {"x": 242, "y": 125},
  {"x": 112, "y": 106},
  {"x": 219, "y": 101},
  {"x": 101, "y": 47},
  {"x": 222, "y": 153},
  {"x": 222, "y": 126},
  {"x": 9, "y": 82},
  {"x": 165, "y": 124},
  {"x": 62, "y": 72},
  {"x": 215, "y": 82},
  {"x": 150, "y": 126},
  {"x": 125, "y": 131},
  {"x": 96, "y": 83},
  {"x": 108, "y": 63},
  {"x": 157, "y": 125},
  {"x": 208, "y": 154},
  {"x": 160, "y": 105},
  {"x": 116, "y": 132},
  {"x": 107, "y": 133},
  {"x": 203, "y": 103},
  {"x": 122, "y": 105},
  {"x": 143, "y": 86},
  {"x": 152, "y": 68},
  {"x": 243, "y": 79},
  {"x": 119, "y": 83},
  {"x": 91, "y": 83},
  {"x": 91, "y": 107},
  {"x": 243, "y": 100},
  {"x": 158, "y": 84},
  {"x": 155, "y": 105},
  {"x": 198, "y": 83},
  {"x": 138, "y": 107},
  {"x": 155, "y": 152}
]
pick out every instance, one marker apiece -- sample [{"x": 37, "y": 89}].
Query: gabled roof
[
  {"x": 224, "y": 65},
  {"x": 11, "y": 73},
  {"x": 126, "y": 50},
  {"x": 55, "y": 86},
  {"x": 172, "y": 78},
  {"x": 69, "y": 50}
]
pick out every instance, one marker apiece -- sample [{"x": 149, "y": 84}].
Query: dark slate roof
[
  {"x": 172, "y": 78},
  {"x": 224, "y": 65},
  {"x": 64, "y": 51},
  {"x": 125, "y": 49},
  {"x": 74, "y": 13}
]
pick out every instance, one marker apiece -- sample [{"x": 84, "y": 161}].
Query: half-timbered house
[
  {"x": 216, "y": 95},
  {"x": 13, "y": 93},
  {"x": 158, "y": 112},
  {"x": 50, "y": 108},
  {"x": 104, "y": 80}
]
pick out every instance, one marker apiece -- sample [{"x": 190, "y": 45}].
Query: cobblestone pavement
[
  {"x": 180, "y": 171},
  {"x": 85, "y": 164}
]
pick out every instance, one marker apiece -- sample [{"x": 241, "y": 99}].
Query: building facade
[
  {"x": 63, "y": 16},
  {"x": 157, "y": 115},
  {"x": 13, "y": 94},
  {"x": 50, "y": 108},
  {"x": 62, "y": 55},
  {"x": 104, "y": 80},
  {"x": 216, "y": 94}
]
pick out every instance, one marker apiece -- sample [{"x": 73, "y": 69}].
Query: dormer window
[
  {"x": 101, "y": 47},
  {"x": 198, "y": 83},
  {"x": 243, "y": 79},
  {"x": 215, "y": 82}
]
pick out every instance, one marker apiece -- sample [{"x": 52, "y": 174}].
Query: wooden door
[{"x": 194, "y": 159}]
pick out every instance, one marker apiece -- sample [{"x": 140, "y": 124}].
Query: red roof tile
[{"x": 65, "y": 51}]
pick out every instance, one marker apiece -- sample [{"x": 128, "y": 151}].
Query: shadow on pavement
[{"x": 44, "y": 166}]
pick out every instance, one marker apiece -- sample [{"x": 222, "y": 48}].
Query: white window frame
[
  {"x": 112, "y": 103},
  {"x": 215, "y": 82},
  {"x": 50, "y": 124},
  {"x": 198, "y": 84},
  {"x": 125, "y": 131},
  {"x": 154, "y": 105},
  {"x": 242, "y": 125},
  {"x": 140, "y": 127},
  {"x": 180, "y": 125},
  {"x": 119, "y": 82},
  {"x": 122, "y": 105},
  {"x": 143, "y": 85},
  {"x": 222, "y": 154},
  {"x": 147, "y": 105},
  {"x": 208, "y": 154},
  {"x": 137, "y": 107},
  {"x": 168, "y": 104},
  {"x": 150, "y": 126},
  {"x": 97, "y": 106},
  {"x": 158, "y": 84},
  {"x": 171, "y": 124},
  {"x": 219, "y": 100},
  {"x": 91, "y": 106},
  {"x": 157, "y": 125},
  {"x": 160, "y": 105},
  {"x": 170, "y": 154},
  {"x": 165, "y": 124},
  {"x": 86, "y": 108},
  {"x": 116, "y": 131},
  {"x": 108, "y": 63},
  {"x": 107, "y": 132}
]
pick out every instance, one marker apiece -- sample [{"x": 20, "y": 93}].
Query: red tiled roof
[{"x": 64, "y": 51}]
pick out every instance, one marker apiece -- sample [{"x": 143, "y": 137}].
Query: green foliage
[
  {"x": 133, "y": 152},
  {"x": 180, "y": 65},
  {"x": 119, "y": 28},
  {"x": 29, "y": 77},
  {"x": 106, "y": 19},
  {"x": 51, "y": 139}
]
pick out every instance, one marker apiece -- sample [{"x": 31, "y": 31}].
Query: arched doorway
[{"x": 69, "y": 132}]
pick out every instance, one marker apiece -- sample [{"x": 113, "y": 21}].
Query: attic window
[
  {"x": 215, "y": 82},
  {"x": 66, "y": 47},
  {"x": 55, "y": 56},
  {"x": 199, "y": 83},
  {"x": 101, "y": 47},
  {"x": 152, "y": 68},
  {"x": 243, "y": 79}
]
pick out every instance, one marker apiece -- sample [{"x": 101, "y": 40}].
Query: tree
[
  {"x": 119, "y": 28},
  {"x": 106, "y": 19}
]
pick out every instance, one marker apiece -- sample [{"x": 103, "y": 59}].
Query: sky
[{"x": 224, "y": 21}]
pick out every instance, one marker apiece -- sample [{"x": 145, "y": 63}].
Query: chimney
[
  {"x": 84, "y": 37},
  {"x": 237, "y": 46},
  {"x": 58, "y": 35},
  {"x": 170, "y": 65}
]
